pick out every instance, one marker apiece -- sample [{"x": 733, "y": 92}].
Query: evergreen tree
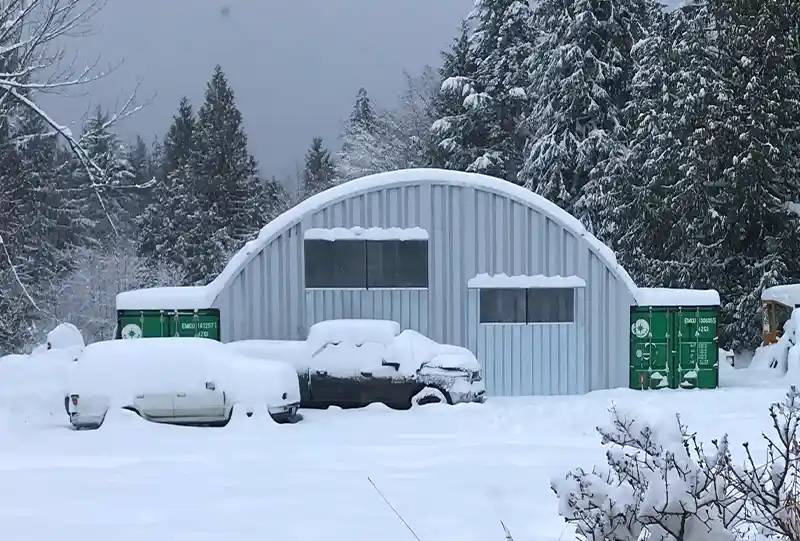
[
  {"x": 457, "y": 134},
  {"x": 38, "y": 236},
  {"x": 362, "y": 117},
  {"x": 396, "y": 138},
  {"x": 139, "y": 160},
  {"x": 155, "y": 163},
  {"x": 580, "y": 73},
  {"x": 658, "y": 216},
  {"x": 276, "y": 199},
  {"x": 755, "y": 144},
  {"x": 231, "y": 202},
  {"x": 162, "y": 225},
  {"x": 319, "y": 173},
  {"x": 494, "y": 89},
  {"x": 111, "y": 207},
  {"x": 361, "y": 129}
]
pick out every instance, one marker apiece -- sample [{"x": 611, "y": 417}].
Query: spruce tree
[
  {"x": 494, "y": 88},
  {"x": 755, "y": 146},
  {"x": 658, "y": 216},
  {"x": 162, "y": 225},
  {"x": 276, "y": 199},
  {"x": 38, "y": 233},
  {"x": 139, "y": 159},
  {"x": 111, "y": 207},
  {"x": 457, "y": 134},
  {"x": 231, "y": 204},
  {"x": 580, "y": 73},
  {"x": 319, "y": 173},
  {"x": 362, "y": 129}
]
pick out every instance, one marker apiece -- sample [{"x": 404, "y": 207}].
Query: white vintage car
[{"x": 186, "y": 381}]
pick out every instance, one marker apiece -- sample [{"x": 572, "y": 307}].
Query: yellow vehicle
[{"x": 778, "y": 303}]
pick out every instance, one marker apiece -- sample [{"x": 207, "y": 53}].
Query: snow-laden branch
[
  {"x": 28, "y": 29},
  {"x": 661, "y": 485},
  {"x": 32, "y": 38}
]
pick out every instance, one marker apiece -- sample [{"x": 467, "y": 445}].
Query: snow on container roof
[
  {"x": 372, "y": 233},
  {"x": 165, "y": 298},
  {"x": 403, "y": 177},
  {"x": 504, "y": 281},
  {"x": 787, "y": 294},
  {"x": 662, "y": 296}
]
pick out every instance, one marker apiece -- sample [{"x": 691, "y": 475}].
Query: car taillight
[{"x": 74, "y": 398}]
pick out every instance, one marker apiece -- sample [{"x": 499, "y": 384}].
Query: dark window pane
[
  {"x": 397, "y": 263},
  {"x": 551, "y": 305},
  {"x": 502, "y": 306},
  {"x": 336, "y": 264}
]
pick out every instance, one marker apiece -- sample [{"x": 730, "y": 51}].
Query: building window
[
  {"x": 503, "y": 306},
  {"x": 527, "y": 306},
  {"x": 340, "y": 264},
  {"x": 555, "y": 305},
  {"x": 397, "y": 264},
  {"x": 366, "y": 264}
]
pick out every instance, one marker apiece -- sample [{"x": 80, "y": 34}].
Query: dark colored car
[{"x": 353, "y": 363}]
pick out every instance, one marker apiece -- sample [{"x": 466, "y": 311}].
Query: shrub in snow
[
  {"x": 661, "y": 484},
  {"x": 771, "y": 490}
]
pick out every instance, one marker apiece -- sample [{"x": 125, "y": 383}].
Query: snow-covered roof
[
  {"x": 371, "y": 233},
  {"x": 165, "y": 298},
  {"x": 662, "y": 296},
  {"x": 788, "y": 294},
  {"x": 205, "y": 296},
  {"x": 412, "y": 176},
  {"x": 503, "y": 281}
]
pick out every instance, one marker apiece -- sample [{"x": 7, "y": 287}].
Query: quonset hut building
[{"x": 463, "y": 258}]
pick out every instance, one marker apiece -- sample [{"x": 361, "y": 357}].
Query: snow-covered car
[
  {"x": 186, "y": 381},
  {"x": 352, "y": 363}
]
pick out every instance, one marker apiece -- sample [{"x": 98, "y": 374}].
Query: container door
[
  {"x": 696, "y": 352},
  {"x": 650, "y": 350},
  {"x": 142, "y": 324},
  {"x": 202, "y": 324}
]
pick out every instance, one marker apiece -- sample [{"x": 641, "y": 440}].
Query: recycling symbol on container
[
  {"x": 131, "y": 331},
  {"x": 640, "y": 328}
]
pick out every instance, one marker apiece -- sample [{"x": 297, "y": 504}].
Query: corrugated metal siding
[
  {"x": 407, "y": 307},
  {"x": 523, "y": 360},
  {"x": 471, "y": 231}
]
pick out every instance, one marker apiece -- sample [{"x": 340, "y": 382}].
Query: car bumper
[
  {"x": 86, "y": 421},
  {"x": 478, "y": 397},
  {"x": 286, "y": 413}
]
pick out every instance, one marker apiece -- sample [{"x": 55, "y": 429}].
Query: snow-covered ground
[{"x": 452, "y": 472}]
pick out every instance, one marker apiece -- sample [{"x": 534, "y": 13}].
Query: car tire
[{"x": 429, "y": 395}]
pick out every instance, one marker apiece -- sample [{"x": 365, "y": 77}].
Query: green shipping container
[
  {"x": 674, "y": 348},
  {"x": 166, "y": 323}
]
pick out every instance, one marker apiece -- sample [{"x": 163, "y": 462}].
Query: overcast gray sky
[{"x": 295, "y": 65}]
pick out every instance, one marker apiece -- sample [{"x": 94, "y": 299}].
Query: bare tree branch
[{"x": 32, "y": 53}]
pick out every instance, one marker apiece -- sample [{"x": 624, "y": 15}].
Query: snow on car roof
[{"x": 178, "y": 347}]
